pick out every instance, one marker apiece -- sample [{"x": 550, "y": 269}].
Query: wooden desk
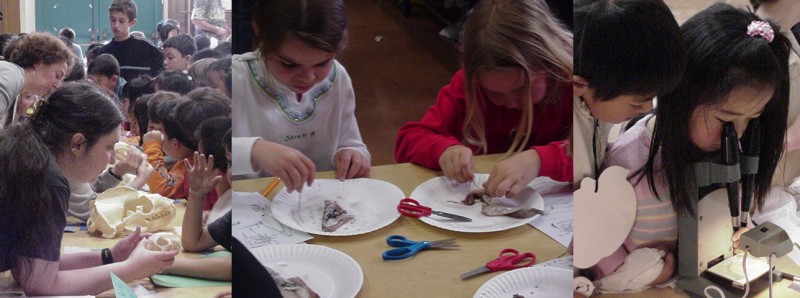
[
  {"x": 430, "y": 273},
  {"x": 83, "y": 239},
  {"x": 759, "y": 288}
]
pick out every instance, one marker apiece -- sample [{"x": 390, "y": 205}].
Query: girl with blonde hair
[{"x": 512, "y": 96}]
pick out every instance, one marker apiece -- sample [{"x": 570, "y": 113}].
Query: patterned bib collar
[{"x": 281, "y": 95}]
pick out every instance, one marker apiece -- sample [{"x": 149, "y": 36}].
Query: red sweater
[{"x": 424, "y": 141}]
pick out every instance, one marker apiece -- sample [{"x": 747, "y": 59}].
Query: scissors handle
[
  {"x": 511, "y": 259},
  {"x": 405, "y": 251},
  {"x": 399, "y": 241},
  {"x": 412, "y": 208}
]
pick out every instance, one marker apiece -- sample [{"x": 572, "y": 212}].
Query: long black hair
[
  {"x": 26, "y": 206},
  {"x": 722, "y": 57}
]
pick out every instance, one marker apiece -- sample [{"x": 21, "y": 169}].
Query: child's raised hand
[
  {"x": 123, "y": 248},
  {"x": 202, "y": 176},
  {"x": 290, "y": 165},
  {"x": 149, "y": 262},
  {"x": 512, "y": 175},
  {"x": 350, "y": 164},
  {"x": 457, "y": 163},
  {"x": 153, "y": 136}
]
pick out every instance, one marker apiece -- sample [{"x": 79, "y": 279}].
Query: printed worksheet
[
  {"x": 556, "y": 221},
  {"x": 254, "y": 226}
]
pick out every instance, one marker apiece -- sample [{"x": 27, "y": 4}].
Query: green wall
[{"x": 52, "y": 15}]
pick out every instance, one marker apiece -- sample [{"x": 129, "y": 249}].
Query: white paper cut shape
[{"x": 604, "y": 219}]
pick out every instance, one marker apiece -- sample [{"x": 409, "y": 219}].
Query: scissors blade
[
  {"x": 472, "y": 273},
  {"x": 451, "y": 216}
]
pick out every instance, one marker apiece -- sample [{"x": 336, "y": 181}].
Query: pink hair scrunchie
[{"x": 762, "y": 29}]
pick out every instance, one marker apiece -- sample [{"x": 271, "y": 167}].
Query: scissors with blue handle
[
  {"x": 412, "y": 208},
  {"x": 408, "y": 248},
  {"x": 509, "y": 259}
]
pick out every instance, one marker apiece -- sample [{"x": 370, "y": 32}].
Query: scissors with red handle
[
  {"x": 509, "y": 259},
  {"x": 412, "y": 208}
]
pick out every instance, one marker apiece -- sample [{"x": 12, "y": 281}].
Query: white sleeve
[
  {"x": 242, "y": 150},
  {"x": 349, "y": 135}
]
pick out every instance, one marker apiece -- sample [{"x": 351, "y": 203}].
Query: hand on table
[
  {"x": 202, "y": 176},
  {"x": 351, "y": 163},
  {"x": 123, "y": 248},
  {"x": 512, "y": 175},
  {"x": 290, "y": 165},
  {"x": 457, "y": 163}
]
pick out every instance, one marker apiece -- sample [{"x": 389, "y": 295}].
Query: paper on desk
[
  {"x": 121, "y": 289},
  {"x": 564, "y": 263},
  {"x": 556, "y": 221},
  {"x": 254, "y": 226}
]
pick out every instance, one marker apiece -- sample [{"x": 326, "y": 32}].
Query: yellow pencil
[{"x": 270, "y": 187}]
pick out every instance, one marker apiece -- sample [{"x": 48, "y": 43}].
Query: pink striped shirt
[{"x": 656, "y": 223}]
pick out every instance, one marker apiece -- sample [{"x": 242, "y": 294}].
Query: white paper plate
[
  {"x": 529, "y": 282},
  {"x": 372, "y": 202},
  {"x": 442, "y": 194},
  {"x": 328, "y": 272}
]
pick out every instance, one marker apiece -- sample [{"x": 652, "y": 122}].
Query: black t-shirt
[
  {"x": 220, "y": 230},
  {"x": 136, "y": 57},
  {"x": 49, "y": 250}
]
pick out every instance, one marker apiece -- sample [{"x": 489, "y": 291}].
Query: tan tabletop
[
  {"x": 433, "y": 273},
  {"x": 759, "y": 288},
  {"x": 84, "y": 239}
]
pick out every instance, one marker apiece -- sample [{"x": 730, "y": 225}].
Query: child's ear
[
  {"x": 133, "y": 22},
  {"x": 114, "y": 78}
]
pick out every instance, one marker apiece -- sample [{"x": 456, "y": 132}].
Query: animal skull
[
  {"x": 119, "y": 210},
  {"x": 163, "y": 241},
  {"x": 120, "y": 150}
]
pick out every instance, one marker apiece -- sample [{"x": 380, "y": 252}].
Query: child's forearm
[
  {"x": 206, "y": 268},
  {"x": 193, "y": 236}
]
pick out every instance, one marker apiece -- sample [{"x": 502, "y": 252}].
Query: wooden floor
[{"x": 397, "y": 65}]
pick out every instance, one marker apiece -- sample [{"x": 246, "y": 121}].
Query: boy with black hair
[
  {"x": 136, "y": 56},
  {"x": 104, "y": 72},
  {"x": 178, "y": 51},
  {"x": 174, "y": 81},
  {"x": 209, "y": 136},
  {"x": 218, "y": 75},
  {"x": 613, "y": 80},
  {"x": 181, "y": 118},
  {"x": 169, "y": 142}
]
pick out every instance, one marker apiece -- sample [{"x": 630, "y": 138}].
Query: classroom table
[
  {"x": 432, "y": 273},
  {"x": 84, "y": 239},
  {"x": 758, "y": 288}
]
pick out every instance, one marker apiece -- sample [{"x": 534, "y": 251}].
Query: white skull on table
[
  {"x": 163, "y": 241},
  {"x": 118, "y": 211}
]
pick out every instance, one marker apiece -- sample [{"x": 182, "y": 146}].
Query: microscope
[{"x": 704, "y": 238}]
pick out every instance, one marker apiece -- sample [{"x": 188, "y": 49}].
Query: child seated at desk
[
  {"x": 294, "y": 113},
  {"x": 511, "y": 96},
  {"x": 71, "y": 136},
  {"x": 749, "y": 80},
  {"x": 179, "y": 123}
]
